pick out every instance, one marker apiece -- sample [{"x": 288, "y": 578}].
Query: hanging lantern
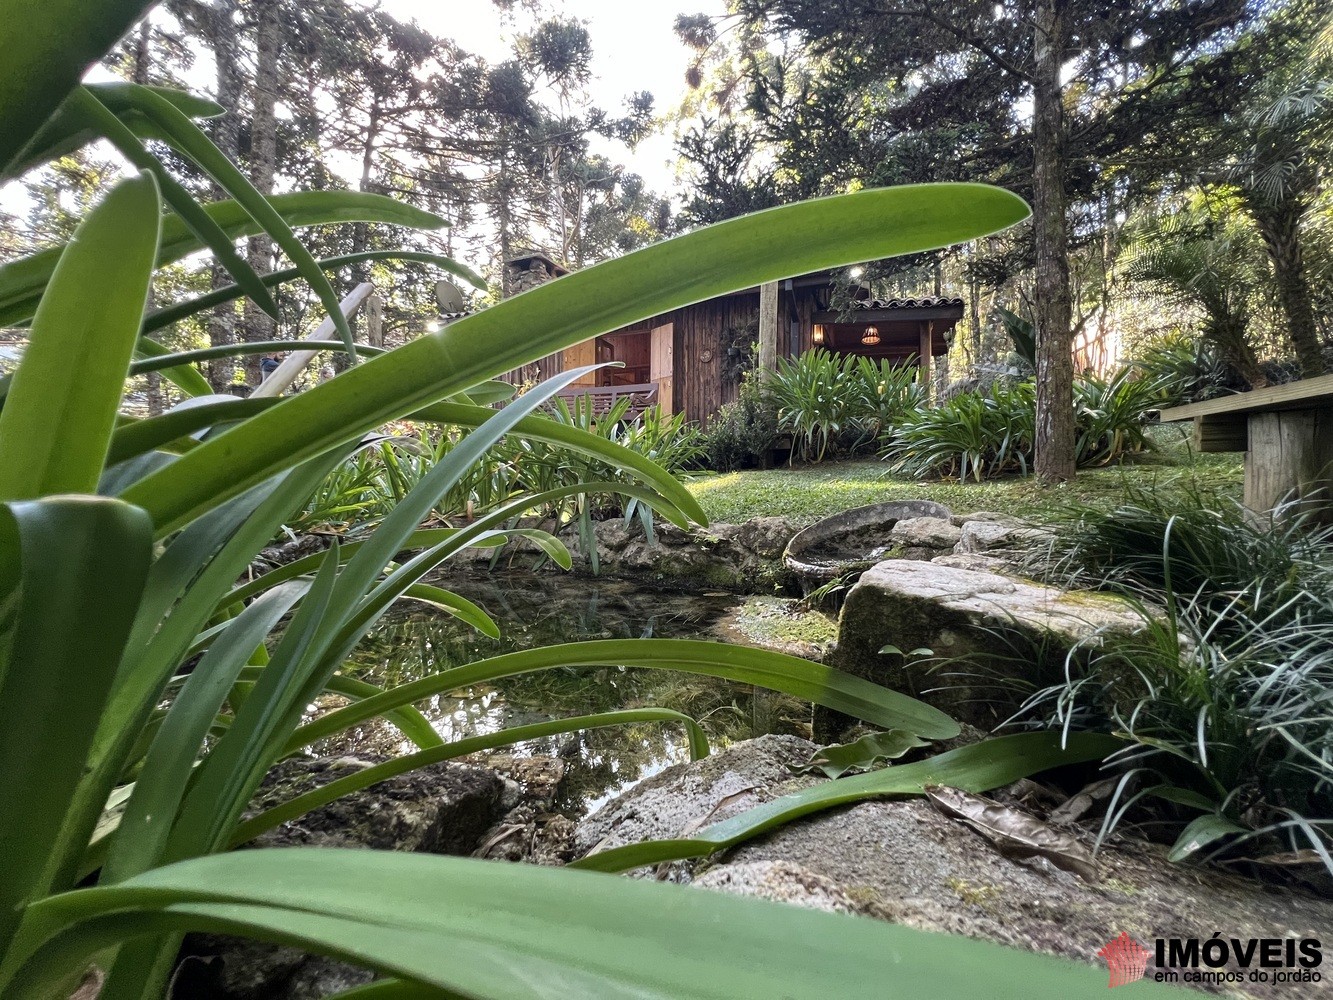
[
  {"x": 817, "y": 337},
  {"x": 870, "y": 336}
]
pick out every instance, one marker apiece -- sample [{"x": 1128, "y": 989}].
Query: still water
[{"x": 545, "y": 609}]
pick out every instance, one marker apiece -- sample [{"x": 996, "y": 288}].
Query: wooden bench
[
  {"x": 604, "y": 397},
  {"x": 1286, "y": 432}
]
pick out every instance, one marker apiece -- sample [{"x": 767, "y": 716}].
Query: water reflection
[{"x": 538, "y": 610}]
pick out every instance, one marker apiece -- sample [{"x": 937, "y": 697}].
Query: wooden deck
[
  {"x": 1286, "y": 432},
  {"x": 603, "y": 397}
]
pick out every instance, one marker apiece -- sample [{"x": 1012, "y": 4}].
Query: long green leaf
[
  {"x": 68, "y": 130},
  {"x": 523, "y": 932},
  {"x": 146, "y": 822},
  {"x": 248, "y": 347},
  {"x": 186, "y": 137},
  {"x": 56, "y": 425},
  {"x": 47, "y": 46},
  {"x": 80, "y": 564},
  {"x": 789, "y": 674},
  {"x": 713, "y": 261},
  {"x": 976, "y": 768},
  {"x": 451, "y": 603},
  {"x": 302, "y": 804},
  {"x": 182, "y": 202},
  {"x": 22, "y": 280},
  {"x": 135, "y": 437},
  {"x": 186, "y": 378}
]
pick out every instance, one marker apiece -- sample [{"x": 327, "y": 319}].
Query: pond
[{"x": 546, "y": 609}]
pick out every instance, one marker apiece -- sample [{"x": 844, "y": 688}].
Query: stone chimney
[{"x": 528, "y": 270}]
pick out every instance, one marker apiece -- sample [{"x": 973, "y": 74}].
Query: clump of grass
[{"x": 1226, "y": 696}]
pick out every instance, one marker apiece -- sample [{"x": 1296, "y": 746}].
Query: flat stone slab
[
  {"x": 997, "y": 624},
  {"x": 905, "y": 862}
]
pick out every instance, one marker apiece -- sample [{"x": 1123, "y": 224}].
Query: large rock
[
  {"x": 904, "y": 861},
  {"x": 990, "y": 624},
  {"x": 686, "y": 797},
  {"x": 923, "y": 537},
  {"x": 995, "y": 535}
]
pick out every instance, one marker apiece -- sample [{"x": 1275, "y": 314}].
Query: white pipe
[{"x": 285, "y": 374}]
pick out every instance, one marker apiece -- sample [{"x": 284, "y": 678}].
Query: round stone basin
[{"x": 853, "y": 541}]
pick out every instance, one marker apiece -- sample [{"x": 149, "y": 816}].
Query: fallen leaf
[
  {"x": 1077, "y": 805},
  {"x": 1015, "y": 834},
  {"x": 847, "y": 758}
]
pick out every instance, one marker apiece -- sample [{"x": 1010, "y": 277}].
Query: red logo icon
[{"x": 1126, "y": 959}]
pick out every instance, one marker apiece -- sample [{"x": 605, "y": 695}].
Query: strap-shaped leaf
[
  {"x": 524, "y": 932},
  {"x": 364, "y": 778},
  {"x": 146, "y": 822},
  {"x": 22, "y": 280},
  {"x": 186, "y": 138},
  {"x": 778, "y": 671},
  {"x": 181, "y": 201},
  {"x": 68, "y": 130},
  {"x": 729, "y": 256},
  {"x": 180, "y": 310},
  {"x": 975, "y": 768},
  {"x": 77, "y": 566},
  {"x": 47, "y": 46},
  {"x": 56, "y": 425}
]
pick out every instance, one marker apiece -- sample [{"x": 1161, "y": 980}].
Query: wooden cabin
[{"x": 689, "y": 360}]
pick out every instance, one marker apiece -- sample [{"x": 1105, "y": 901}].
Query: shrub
[
  {"x": 743, "y": 432},
  {"x": 838, "y": 405},
  {"x": 991, "y": 433},
  {"x": 973, "y": 434}
]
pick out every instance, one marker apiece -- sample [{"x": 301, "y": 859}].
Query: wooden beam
[
  {"x": 1225, "y": 432},
  {"x": 768, "y": 326},
  {"x": 1299, "y": 395},
  {"x": 285, "y": 374}
]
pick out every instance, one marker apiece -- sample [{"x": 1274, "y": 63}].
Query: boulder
[
  {"x": 906, "y": 862},
  {"x": 923, "y": 537},
  {"x": 994, "y": 535},
  {"x": 988, "y": 624}
]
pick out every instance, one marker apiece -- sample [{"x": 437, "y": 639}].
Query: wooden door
[
  {"x": 661, "y": 364},
  {"x": 580, "y": 355}
]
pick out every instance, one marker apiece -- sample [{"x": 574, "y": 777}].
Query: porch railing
[{"x": 604, "y": 397}]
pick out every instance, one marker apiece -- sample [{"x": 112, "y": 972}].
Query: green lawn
[{"x": 809, "y": 492}]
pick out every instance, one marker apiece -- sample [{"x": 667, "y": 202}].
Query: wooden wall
[{"x": 699, "y": 390}]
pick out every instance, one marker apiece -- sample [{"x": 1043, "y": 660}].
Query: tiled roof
[{"x": 923, "y": 302}]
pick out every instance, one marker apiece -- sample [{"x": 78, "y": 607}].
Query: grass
[{"x": 810, "y": 492}]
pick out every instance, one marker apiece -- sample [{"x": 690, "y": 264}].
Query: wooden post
[
  {"x": 1290, "y": 457},
  {"x": 923, "y": 357},
  {"x": 286, "y": 373},
  {"x": 768, "y": 326}
]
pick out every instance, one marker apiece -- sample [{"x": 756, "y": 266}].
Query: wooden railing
[{"x": 603, "y": 397}]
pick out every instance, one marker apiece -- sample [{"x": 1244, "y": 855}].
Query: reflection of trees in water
[{"x": 536, "y": 611}]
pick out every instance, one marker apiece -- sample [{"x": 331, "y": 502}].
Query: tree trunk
[
  {"x": 143, "y": 75},
  {"x": 263, "y": 165},
  {"x": 1279, "y": 224},
  {"x": 1055, "y": 459},
  {"x": 223, "y": 38}
]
